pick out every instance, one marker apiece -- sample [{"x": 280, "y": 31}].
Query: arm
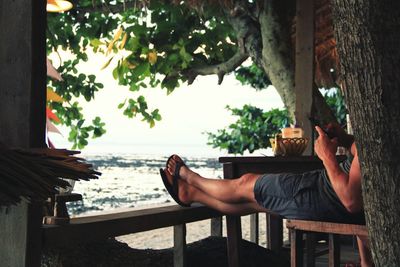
[{"x": 346, "y": 186}]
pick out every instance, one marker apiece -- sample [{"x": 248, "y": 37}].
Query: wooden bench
[
  {"x": 299, "y": 227},
  {"x": 90, "y": 228}
]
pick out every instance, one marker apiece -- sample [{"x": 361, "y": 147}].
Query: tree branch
[
  {"x": 246, "y": 25},
  {"x": 219, "y": 69}
]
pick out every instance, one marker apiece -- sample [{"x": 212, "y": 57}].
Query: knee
[{"x": 246, "y": 182}]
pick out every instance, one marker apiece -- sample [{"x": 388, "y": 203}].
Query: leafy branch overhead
[
  {"x": 164, "y": 44},
  {"x": 144, "y": 44}
]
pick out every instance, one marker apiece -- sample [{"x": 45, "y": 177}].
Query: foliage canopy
[
  {"x": 153, "y": 44},
  {"x": 160, "y": 44}
]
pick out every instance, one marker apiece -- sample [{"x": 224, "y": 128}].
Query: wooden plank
[
  {"x": 37, "y": 115},
  {"x": 234, "y": 236},
  {"x": 265, "y": 159},
  {"x": 334, "y": 250},
  {"x": 216, "y": 226},
  {"x": 304, "y": 67},
  {"x": 85, "y": 229},
  {"x": 22, "y": 73},
  {"x": 310, "y": 249},
  {"x": 22, "y": 116},
  {"x": 34, "y": 235},
  {"x": 233, "y": 225},
  {"x": 274, "y": 164},
  {"x": 180, "y": 245},
  {"x": 296, "y": 248},
  {"x": 328, "y": 227},
  {"x": 274, "y": 232},
  {"x": 254, "y": 228}
]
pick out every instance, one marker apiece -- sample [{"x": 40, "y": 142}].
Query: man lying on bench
[{"x": 330, "y": 194}]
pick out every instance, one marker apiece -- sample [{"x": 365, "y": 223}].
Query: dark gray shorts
[{"x": 297, "y": 196}]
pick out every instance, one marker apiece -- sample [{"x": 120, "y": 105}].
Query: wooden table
[{"x": 234, "y": 167}]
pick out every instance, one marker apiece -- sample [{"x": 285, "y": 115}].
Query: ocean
[{"x": 131, "y": 180}]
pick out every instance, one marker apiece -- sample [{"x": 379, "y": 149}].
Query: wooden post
[
  {"x": 334, "y": 250},
  {"x": 274, "y": 232},
  {"x": 311, "y": 241},
  {"x": 233, "y": 227},
  {"x": 216, "y": 226},
  {"x": 254, "y": 227},
  {"x": 304, "y": 69},
  {"x": 180, "y": 245},
  {"x": 22, "y": 117},
  {"x": 296, "y": 248}
]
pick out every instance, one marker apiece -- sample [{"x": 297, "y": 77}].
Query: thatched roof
[
  {"x": 325, "y": 45},
  {"x": 35, "y": 174}
]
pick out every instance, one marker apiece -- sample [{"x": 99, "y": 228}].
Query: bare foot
[
  {"x": 185, "y": 173},
  {"x": 185, "y": 191}
]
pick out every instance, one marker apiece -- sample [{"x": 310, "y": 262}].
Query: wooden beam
[
  {"x": 90, "y": 228},
  {"x": 23, "y": 73},
  {"x": 22, "y": 116},
  {"x": 328, "y": 227},
  {"x": 304, "y": 69}
]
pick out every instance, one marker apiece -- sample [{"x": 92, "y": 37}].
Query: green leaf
[
  {"x": 141, "y": 69},
  {"x": 96, "y": 42}
]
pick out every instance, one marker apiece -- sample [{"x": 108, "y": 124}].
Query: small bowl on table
[{"x": 288, "y": 146}]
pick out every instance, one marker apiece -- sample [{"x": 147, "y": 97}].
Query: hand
[
  {"x": 344, "y": 139},
  {"x": 324, "y": 147}
]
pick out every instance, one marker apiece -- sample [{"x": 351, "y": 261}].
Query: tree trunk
[
  {"x": 368, "y": 38},
  {"x": 277, "y": 52},
  {"x": 278, "y": 57}
]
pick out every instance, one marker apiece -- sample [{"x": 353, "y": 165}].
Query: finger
[{"x": 320, "y": 131}]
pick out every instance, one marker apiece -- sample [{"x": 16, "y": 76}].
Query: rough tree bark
[
  {"x": 368, "y": 40},
  {"x": 278, "y": 56}
]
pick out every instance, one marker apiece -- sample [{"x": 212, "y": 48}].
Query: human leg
[
  {"x": 238, "y": 190},
  {"x": 188, "y": 194}
]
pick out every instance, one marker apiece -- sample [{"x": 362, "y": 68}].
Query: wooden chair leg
[
  {"x": 234, "y": 234},
  {"x": 334, "y": 250},
  {"x": 274, "y": 232},
  {"x": 296, "y": 248},
  {"x": 310, "y": 248}
]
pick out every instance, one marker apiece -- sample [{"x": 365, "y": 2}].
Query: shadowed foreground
[{"x": 207, "y": 252}]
